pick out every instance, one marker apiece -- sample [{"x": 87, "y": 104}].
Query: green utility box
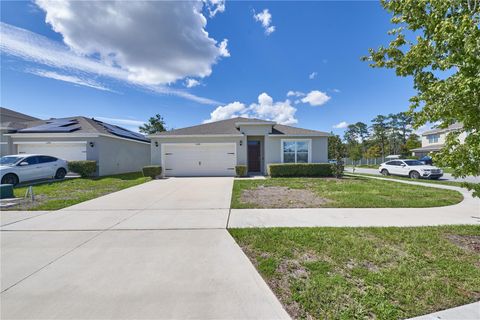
[{"x": 6, "y": 191}]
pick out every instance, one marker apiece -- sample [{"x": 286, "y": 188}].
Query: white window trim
[
  {"x": 309, "y": 141},
  {"x": 432, "y": 137}
]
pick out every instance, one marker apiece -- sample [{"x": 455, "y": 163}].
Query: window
[
  {"x": 433, "y": 138},
  {"x": 46, "y": 159},
  {"x": 296, "y": 151},
  {"x": 31, "y": 160}
]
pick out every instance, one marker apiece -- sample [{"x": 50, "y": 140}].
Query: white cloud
[
  {"x": 265, "y": 18},
  {"x": 281, "y": 112},
  {"x": 336, "y": 90},
  {"x": 156, "y": 42},
  {"x": 68, "y": 78},
  {"x": 316, "y": 98},
  {"x": 228, "y": 111},
  {"x": 341, "y": 125},
  {"x": 38, "y": 49},
  {"x": 312, "y": 75},
  {"x": 214, "y": 6},
  {"x": 295, "y": 94},
  {"x": 190, "y": 83}
]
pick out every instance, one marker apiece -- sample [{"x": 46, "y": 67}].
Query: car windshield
[
  {"x": 414, "y": 163},
  {"x": 9, "y": 160}
]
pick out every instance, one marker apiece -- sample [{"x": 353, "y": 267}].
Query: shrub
[
  {"x": 152, "y": 171},
  {"x": 300, "y": 170},
  {"x": 337, "y": 168},
  {"x": 85, "y": 168},
  {"x": 241, "y": 171}
]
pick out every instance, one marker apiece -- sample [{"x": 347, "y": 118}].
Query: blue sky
[{"x": 129, "y": 66}]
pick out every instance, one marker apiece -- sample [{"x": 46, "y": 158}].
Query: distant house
[
  {"x": 214, "y": 149},
  {"x": 10, "y": 122},
  {"x": 434, "y": 140},
  {"x": 116, "y": 150}
]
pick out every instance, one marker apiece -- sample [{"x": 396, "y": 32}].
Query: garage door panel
[
  {"x": 212, "y": 159},
  {"x": 66, "y": 151}
]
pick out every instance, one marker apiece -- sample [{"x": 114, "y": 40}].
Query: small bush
[
  {"x": 85, "y": 168},
  {"x": 241, "y": 171},
  {"x": 300, "y": 170},
  {"x": 152, "y": 171}
]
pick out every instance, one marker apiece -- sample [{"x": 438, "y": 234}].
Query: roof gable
[{"x": 229, "y": 127}]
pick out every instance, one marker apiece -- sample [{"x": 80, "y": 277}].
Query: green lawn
[
  {"x": 359, "y": 273},
  {"x": 353, "y": 192},
  {"x": 61, "y": 194}
]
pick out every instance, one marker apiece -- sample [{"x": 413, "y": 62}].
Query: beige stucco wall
[
  {"x": 441, "y": 139},
  {"x": 121, "y": 156}
]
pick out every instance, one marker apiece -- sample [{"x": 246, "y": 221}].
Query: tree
[
  {"x": 380, "y": 132},
  {"x": 404, "y": 122},
  {"x": 355, "y": 154},
  {"x": 437, "y": 43},
  {"x": 373, "y": 152},
  {"x": 154, "y": 125},
  {"x": 413, "y": 141},
  {"x": 336, "y": 151},
  {"x": 335, "y": 146}
]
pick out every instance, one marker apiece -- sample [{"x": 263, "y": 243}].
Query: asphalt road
[{"x": 446, "y": 176}]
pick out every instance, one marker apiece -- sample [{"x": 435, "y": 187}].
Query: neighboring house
[
  {"x": 10, "y": 122},
  {"x": 434, "y": 140},
  {"x": 214, "y": 149},
  {"x": 116, "y": 150}
]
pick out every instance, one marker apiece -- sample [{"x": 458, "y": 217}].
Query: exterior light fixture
[
  {"x": 241, "y": 142},
  {"x": 92, "y": 144},
  {"x": 156, "y": 143}
]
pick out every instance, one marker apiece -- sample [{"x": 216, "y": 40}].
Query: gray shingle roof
[
  {"x": 433, "y": 147},
  {"x": 86, "y": 125},
  {"x": 228, "y": 127},
  {"x": 13, "y": 120},
  {"x": 455, "y": 126}
]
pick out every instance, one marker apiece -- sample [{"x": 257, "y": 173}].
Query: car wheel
[
  {"x": 414, "y": 175},
  {"x": 385, "y": 172},
  {"x": 10, "y": 178},
  {"x": 61, "y": 173}
]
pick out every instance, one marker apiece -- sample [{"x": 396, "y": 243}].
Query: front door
[{"x": 254, "y": 156}]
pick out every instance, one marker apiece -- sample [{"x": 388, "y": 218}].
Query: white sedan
[
  {"x": 411, "y": 168},
  {"x": 27, "y": 167}
]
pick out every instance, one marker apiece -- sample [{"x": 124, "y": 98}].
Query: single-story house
[
  {"x": 10, "y": 122},
  {"x": 214, "y": 149},
  {"x": 116, "y": 150}
]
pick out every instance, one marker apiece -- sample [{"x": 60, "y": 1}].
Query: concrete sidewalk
[
  {"x": 155, "y": 251},
  {"x": 466, "y": 212},
  {"x": 466, "y": 312}
]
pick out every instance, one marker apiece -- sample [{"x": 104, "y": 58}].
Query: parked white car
[
  {"x": 411, "y": 168},
  {"x": 27, "y": 167}
]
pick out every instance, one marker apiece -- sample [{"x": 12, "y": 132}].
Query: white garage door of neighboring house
[
  {"x": 66, "y": 151},
  {"x": 204, "y": 159}
]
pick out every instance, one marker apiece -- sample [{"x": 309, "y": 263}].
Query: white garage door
[
  {"x": 204, "y": 159},
  {"x": 66, "y": 151}
]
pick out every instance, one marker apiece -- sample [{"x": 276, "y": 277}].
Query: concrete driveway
[{"x": 158, "y": 250}]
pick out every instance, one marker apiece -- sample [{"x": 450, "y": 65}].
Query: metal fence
[{"x": 374, "y": 161}]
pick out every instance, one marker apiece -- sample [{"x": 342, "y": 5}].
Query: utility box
[{"x": 6, "y": 191}]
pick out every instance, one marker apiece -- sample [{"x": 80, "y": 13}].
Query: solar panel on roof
[
  {"x": 54, "y": 126},
  {"x": 122, "y": 132}
]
